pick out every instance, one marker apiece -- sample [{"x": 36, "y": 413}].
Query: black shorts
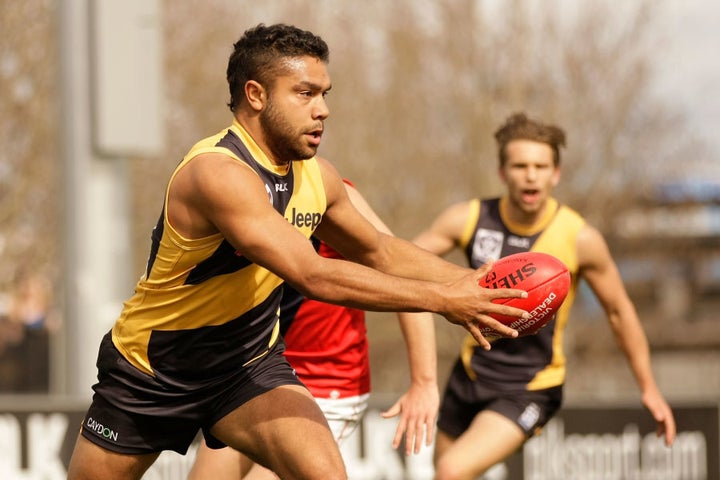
[
  {"x": 464, "y": 398},
  {"x": 134, "y": 413}
]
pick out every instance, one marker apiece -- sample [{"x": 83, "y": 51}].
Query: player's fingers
[
  {"x": 430, "y": 430},
  {"x": 417, "y": 442},
  {"x": 392, "y": 411},
  {"x": 477, "y": 335},
  {"x": 498, "y": 293},
  {"x": 499, "y": 327},
  {"x": 485, "y": 268},
  {"x": 422, "y": 432},
  {"x": 670, "y": 429},
  {"x": 410, "y": 439},
  {"x": 663, "y": 416},
  {"x": 400, "y": 432},
  {"x": 413, "y": 431}
]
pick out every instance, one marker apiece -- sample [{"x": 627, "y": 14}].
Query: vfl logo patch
[{"x": 488, "y": 244}]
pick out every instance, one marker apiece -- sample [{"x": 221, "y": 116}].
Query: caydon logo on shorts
[{"x": 101, "y": 429}]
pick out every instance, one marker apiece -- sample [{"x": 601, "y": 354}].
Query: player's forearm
[
  {"x": 351, "y": 284},
  {"x": 405, "y": 259},
  {"x": 418, "y": 330},
  {"x": 633, "y": 341}
]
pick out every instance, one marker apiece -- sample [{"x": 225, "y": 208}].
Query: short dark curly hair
[
  {"x": 259, "y": 53},
  {"x": 520, "y": 127}
]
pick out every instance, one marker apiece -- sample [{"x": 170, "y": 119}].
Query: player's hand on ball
[
  {"x": 545, "y": 279},
  {"x": 479, "y": 304}
]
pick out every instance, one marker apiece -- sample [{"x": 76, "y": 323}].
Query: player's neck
[{"x": 527, "y": 220}]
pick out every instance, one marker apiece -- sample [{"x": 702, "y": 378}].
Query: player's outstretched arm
[
  {"x": 416, "y": 278},
  {"x": 418, "y": 407},
  {"x": 600, "y": 271}
]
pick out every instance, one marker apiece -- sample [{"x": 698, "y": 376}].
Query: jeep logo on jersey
[
  {"x": 512, "y": 279},
  {"x": 305, "y": 219},
  {"x": 281, "y": 187}
]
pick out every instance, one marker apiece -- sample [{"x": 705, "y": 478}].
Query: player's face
[
  {"x": 293, "y": 116},
  {"x": 529, "y": 174}
]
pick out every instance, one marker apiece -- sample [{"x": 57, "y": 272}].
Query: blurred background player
[
  {"x": 327, "y": 345},
  {"x": 496, "y": 399}
]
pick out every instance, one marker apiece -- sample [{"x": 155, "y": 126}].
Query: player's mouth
[
  {"x": 314, "y": 136},
  {"x": 530, "y": 195}
]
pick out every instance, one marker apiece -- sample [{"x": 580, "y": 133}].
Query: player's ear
[
  {"x": 501, "y": 174},
  {"x": 556, "y": 176},
  {"x": 255, "y": 94}
]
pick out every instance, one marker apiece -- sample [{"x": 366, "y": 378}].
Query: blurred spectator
[{"x": 26, "y": 321}]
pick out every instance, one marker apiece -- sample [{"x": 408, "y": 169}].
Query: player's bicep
[{"x": 237, "y": 203}]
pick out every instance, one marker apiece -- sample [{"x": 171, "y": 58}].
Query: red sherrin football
[{"x": 546, "y": 281}]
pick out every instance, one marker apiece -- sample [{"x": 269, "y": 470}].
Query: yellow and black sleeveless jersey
[
  {"x": 537, "y": 361},
  {"x": 202, "y": 309}
]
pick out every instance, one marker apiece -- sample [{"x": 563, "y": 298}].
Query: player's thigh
[
  {"x": 90, "y": 462},
  {"x": 222, "y": 463},
  {"x": 490, "y": 439},
  {"x": 226, "y": 464},
  {"x": 258, "y": 472},
  {"x": 284, "y": 430},
  {"x": 443, "y": 442}
]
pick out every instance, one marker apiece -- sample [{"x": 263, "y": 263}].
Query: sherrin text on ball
[{"x": 546, "y": 281}]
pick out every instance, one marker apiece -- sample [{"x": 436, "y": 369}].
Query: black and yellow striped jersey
[
  {"x": 533, "y": 362},
  {"x": 202, "y": 308}
]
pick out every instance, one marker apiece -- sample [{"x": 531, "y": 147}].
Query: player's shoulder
[
  {"x": 590, "y": 234},
  {"x": 333, "y": 183},
  {"x": 592, "y": 248},
  {"x": 461, "y": 210},
  {"x": 325, "y": 164},
  {"x": 574, "y": 220},
  {"x": 329, "y": 172},
  {"x": 570, "y": 213},
  {"x": 566, "y": 221},
  {"x": 456, "y": 220},
  {"x": 218, "y": 165},
  {"x": 453, "y": 218}
]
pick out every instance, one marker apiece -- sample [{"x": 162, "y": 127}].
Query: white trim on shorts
[{"x": 343, "y": 414}]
